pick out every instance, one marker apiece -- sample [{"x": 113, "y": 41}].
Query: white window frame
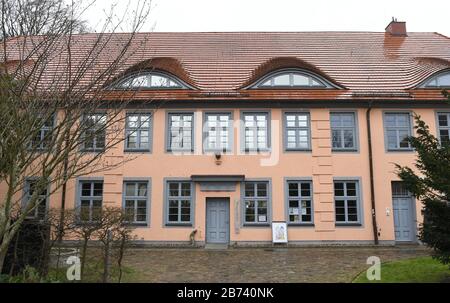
[
  {"x": 256, "y": 199},
  {"x": 169, "y": 146},
  {"x": 436, "y": 77},
  {"x": 179, "y": 198},
  {"x": 342, "y": 129},
  {"x": 255, "y": 130},
  {"x": 397, "y": 129},
  {"x": 220, "y": 131},
  {"x": 91, "y": 198},
  {"x": 138, "y": 131},
  {"x": 297, "y": 128},
  {"x": 126, "y": 83},
  {"x": 444, "y": 128},
  {"x": 299, "y": 199},
  {"x": 346, "y": 199},
  {"x": 136, "y": 198},
  {"x": 323, "y": 83},
  {"x": 44, "y": 133},
  {"x": 98, "y": 130},
  {"x": 36, "y": 214}
]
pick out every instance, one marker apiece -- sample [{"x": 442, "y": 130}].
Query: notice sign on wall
[{"x": 279, "y": 232}]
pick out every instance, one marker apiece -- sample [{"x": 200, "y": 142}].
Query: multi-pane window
[
  {"x": 138, "y": 132},
  {"x": 256, "y": 131},
  {"x": 343, "y": 131},
  {"x": 217, "y": 132},
  {"x": 43, "y": 137},
  {"x": 346, "y": 200},
  {"x": 398, "y": 130},
  {"x": 94, "y": 132},
  {"x": 299, "y": 201},
  {"x": 179, "y": 197},
  {"x": 136, "y": 197},
  {"x": 293, "y": 79},
  {"x": 181, "y": 132},
  {"x": 297, "y": 131},
  {"x": 444, "y": 127},
  {"x": 150, "y": 80},
  {"x": 91, "y": 197},
  {"x": 40, "y": 207},
  {"x": 440, "y": 80},
  {"x": 256, "y": 202},
  {"x": 399, "y": 189}
]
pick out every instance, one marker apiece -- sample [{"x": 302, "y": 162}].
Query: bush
[{"x": 436, "y": 229}]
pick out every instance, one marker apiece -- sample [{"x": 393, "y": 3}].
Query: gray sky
[{"x": 289, "y": 15}]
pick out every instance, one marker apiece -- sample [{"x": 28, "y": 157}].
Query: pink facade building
[{"x": 246, "y": 129}]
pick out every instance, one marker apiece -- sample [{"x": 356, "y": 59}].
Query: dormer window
[
  {"x": 440, "y": 80},
  {"x": 293, "y": 79},
  {"x": 151, "y": 80}
]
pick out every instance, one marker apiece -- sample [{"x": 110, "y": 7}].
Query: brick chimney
[{"x": 396, "y": 28}]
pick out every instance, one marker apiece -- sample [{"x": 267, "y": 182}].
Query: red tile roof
[{"x": 366, "y": 64}]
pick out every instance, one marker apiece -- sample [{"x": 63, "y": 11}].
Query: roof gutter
[{"x": 372, "y": 186}]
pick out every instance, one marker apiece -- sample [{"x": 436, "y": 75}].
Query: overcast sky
[{"x": 289, "y": 15}]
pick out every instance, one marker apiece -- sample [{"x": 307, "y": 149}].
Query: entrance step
[{"x": 216, "y": 246}]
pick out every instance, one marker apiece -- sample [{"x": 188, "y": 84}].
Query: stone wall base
[{"x": 248, "y": 244}]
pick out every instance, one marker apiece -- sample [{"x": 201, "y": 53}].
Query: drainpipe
[{"x": 372, "y": 186}]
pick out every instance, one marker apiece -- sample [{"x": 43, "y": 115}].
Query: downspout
[{"x": 372, "y": 186}]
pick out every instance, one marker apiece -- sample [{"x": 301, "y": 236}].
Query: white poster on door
[{"x": 279, "y": 232}]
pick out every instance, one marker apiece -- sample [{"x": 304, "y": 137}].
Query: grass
[
  {"x": 417, "y": 270},
  {"x": 93, "y": 271}
]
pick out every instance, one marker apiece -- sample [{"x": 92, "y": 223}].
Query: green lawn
[{"x": 418, "y": 270}]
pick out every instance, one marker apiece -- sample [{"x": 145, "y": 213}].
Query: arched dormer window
[
  {"x": 151, "y": 80},
  {"x": 293, "y": 78},
  {"x": 439, "y": 80}
]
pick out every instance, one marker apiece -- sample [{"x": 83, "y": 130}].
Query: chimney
[{"x": 396, "y": 28}]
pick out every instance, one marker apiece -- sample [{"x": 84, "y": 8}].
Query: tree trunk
[
  {"x": 3, "y": 251},
  {"x": 106, "y": 258},
  {"x": 13, "y": 264},
  {"x": 119, "y": 260},
  {"x": 83, "y": 256}
]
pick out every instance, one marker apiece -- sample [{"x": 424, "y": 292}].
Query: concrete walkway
[{"x": 321, "y": 264}]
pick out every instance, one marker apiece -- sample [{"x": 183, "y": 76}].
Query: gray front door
[
  {"x": 403, "y": 219},
  {"x": 217, "y": 220}
]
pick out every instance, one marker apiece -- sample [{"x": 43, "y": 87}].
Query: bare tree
[
  {"x": 114, "y": 233},
  {"x": 54, "y": 122},
  {"x": 85, "y": 233},
  {"x": 36, "y": 17}
]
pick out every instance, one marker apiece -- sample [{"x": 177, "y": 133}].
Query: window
[
  {"x": 179, "y": 202},
  {"x": 297, "y": 131},
  {"x": 151, "y": 80},
  {"x": 398, "y": 130},
  {"x": 256, "y": 202},
  {"x": 346, "y": 202},
  {"x": 43, "y": 137},
  {"x": 343, "y": 131},
  {"x": 40, "y": 208},
  {"x": 95, "y": 132},
  {"x": 91, "y": 197},
  {"x": 399, "y": 189},
  {"x": 138, "y": 131},
  {"x": 299, "y": 202},
  {"x": 444, "y": 127},
  {"x": 135, "y": 201},
  {"x": 181, "y": 132},
  {"x": 217, "y": 132},
  {"x": 293, "y": 79},
  {"x": 441, "y": 80},
  {"x": 256, "y": 131}
]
